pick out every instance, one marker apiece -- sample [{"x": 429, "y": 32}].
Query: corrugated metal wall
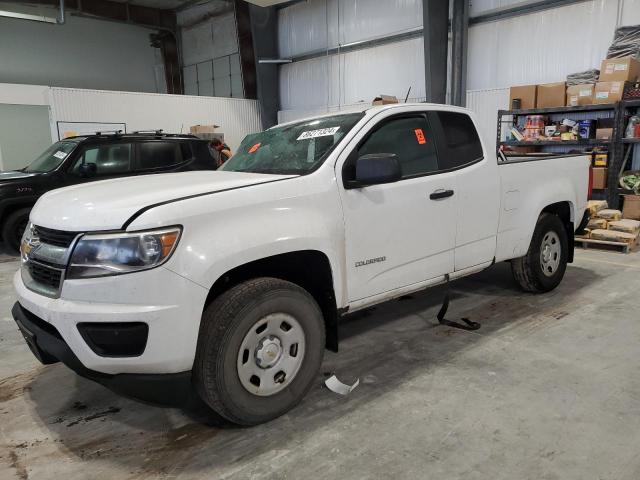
[
  {"x": 353, "y": 77},
  {"x": 536, "y": 48},
  {"x": 172, "y": 113},
  {"x": 320, "y": 24},
  {"x": 486, "y": 103}
]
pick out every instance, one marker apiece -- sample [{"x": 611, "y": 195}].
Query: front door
[{"x": 401, "y": 233}]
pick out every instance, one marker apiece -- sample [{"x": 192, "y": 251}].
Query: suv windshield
[
  {"x": 294, "y": 149},
  {"x": 51, "y": 158}
]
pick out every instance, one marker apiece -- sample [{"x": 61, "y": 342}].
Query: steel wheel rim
[
  {"x": 271, "y": 354},
  {"x": 550, "y": 253}
]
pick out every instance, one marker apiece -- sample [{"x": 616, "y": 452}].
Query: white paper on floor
[{"x": 338, "y": 387}]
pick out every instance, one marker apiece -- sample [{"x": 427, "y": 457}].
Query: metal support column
[
  {"x": 264, "y": 31},
  {"x": 459, "y": 36},
  {"x": 436, "y": 30}
]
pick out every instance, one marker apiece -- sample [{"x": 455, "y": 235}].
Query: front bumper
[
  {"x": 169, "y": 304},
  {"x": 48, "y": 346}
]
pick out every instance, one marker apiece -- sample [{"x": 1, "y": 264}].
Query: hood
[
  {"x": 108, "y": 204},
  {"x": 14, "y": 175}
]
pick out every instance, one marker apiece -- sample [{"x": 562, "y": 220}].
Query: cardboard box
[
  {"x": 198, "y": 129},
  {"x": 552, "y": 95},
  {"x": 608, "y": 92},
  {"x": 580, "y": 94},
  {"x": 599, "y": 178},
  {"x": 631, "y": 207},
  {"x": 527, "y": 94},
  {"x": 604, "y": 133},
  {"x": 620, "y": 70},
  {"x": 384, "y": 100}
]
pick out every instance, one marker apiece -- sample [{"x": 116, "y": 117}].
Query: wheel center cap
[
  {"x": 268, "y": 352},
  {"x": 546, "y": 253}
]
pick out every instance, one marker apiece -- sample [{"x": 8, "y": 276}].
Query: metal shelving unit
[
  {"x": 622, "y": 150},
  {"x": 613, "y": 111}
]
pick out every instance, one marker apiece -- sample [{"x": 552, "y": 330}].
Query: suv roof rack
[
  {"x": 156, "y": 132},
  {"x": 114, "y": 132}
]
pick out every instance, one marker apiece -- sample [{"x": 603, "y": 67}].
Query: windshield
[
  {"x": 51, "y": 158},
  {"x": 295, "y": 149}
]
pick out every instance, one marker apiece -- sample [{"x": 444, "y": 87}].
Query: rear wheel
[
  {"x": 543, "y": 267},
  {"x": 13, "y": 228},
  {"x": 260, "y": 348}
]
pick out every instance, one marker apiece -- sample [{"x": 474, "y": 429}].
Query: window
[
  {"x": 461, "y": 140},
  {"x": 159, "y": 154},
  {"x": 292, "y": 149},
  {"x": 52, "y": 157},
  {"x": 112, "y": 159},
  {"x": 410, "y": 139}
]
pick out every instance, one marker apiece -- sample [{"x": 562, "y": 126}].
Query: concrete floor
[{"x": 547, "y": 389}]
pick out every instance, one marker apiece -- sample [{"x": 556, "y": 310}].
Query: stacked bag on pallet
[{"x": 608, "y": 225}]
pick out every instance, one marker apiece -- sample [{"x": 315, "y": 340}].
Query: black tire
[
  {"x": 225, "y": 323},
  {"x": 528, "y": 270},
  {"x": 13, "y": 228}
]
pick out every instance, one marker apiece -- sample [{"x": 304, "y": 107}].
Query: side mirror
[
  {"x": 377, "y": 168},
  {"x": 87, "y": 170}
]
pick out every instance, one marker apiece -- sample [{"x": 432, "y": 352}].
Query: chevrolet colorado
[{"x": 233, "y": 281}]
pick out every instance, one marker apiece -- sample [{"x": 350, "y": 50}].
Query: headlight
[{"x": 116, "y": 253}]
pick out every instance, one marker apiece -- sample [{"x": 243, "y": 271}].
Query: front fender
[{"x": 227, "y": 230}]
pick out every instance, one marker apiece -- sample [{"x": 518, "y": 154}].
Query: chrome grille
[
  {"x": 54, "y": 237},
  {"x": 44, "y": 274},
  {"x": 44, "y": 259}
]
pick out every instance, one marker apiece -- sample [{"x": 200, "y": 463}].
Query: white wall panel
[
  {"x": 320, "y": 24},
  {"x": 19, "y": 94},
  {"x": 477, "y": 7},
  {"x": 540, "y": 47},
  {"x": 486, "y": 103},
  {"x": 355, "y": 76},
  {"x": 630, "y": 13},
  {"x": 172, "y": 113}
]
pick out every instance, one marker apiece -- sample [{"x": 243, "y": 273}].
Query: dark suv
[{"x": 96, "y": 157}]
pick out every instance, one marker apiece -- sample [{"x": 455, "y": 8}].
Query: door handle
[{"x": 440, "y": 194}]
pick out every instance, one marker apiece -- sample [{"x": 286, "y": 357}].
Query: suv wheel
[
  {"x": 13, "y": 228},
  {"x": 543, "y": 267},
  {"x": 260, "y": 347}
]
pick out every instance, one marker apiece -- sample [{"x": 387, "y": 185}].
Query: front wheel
[
  {"x": 13, "y": 228},
  {"x": 543, "y": 267},
  {"x": 260, "y": 348}
]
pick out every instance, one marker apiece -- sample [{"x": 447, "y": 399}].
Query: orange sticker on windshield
[
  {"x": 254, "y": 148},
  {"x": 420, "y": 136}
]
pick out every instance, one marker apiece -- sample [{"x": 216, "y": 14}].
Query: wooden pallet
[{"x": 603, "y": 244}]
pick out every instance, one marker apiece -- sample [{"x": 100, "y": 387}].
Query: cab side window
[
  {"x": 410, "y": 139},
  {"x": 159, "y": 154},
  {"x": 112, "y": 159},
  {"x": 461, "y": 142}
]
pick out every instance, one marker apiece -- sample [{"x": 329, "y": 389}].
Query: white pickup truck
[{"x": 233, "y": 281}]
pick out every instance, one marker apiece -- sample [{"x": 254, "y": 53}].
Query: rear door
[
  {"x": 158, "y": 156},
  {"x": 477, "y": 187},
  {"x": 401, "y": 233}
]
